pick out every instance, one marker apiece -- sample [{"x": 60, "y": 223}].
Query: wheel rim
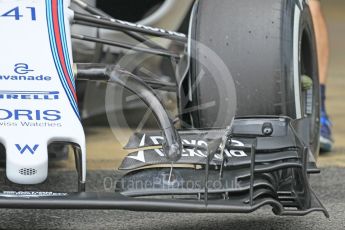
[{"x": 310, "y": 97}]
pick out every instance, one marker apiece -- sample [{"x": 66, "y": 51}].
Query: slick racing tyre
[{"x": 267, "y": 46}]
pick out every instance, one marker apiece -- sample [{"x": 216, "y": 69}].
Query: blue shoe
[{"x": 326, "y": 140}]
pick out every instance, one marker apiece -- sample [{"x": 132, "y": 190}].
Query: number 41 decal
[{"x": 15, "y": 13}]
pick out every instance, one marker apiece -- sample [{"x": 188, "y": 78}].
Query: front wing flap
[{"x": 255, "y": 168}]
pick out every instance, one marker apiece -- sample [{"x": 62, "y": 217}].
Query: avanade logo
[{"x": 22, "y": 73}]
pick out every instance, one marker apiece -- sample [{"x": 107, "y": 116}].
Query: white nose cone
[
  {"x": 27, "y": 163},
  {"x": 38, "y": 101}
]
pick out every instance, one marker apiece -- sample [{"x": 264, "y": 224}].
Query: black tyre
[{"x": 267, "y": 46}]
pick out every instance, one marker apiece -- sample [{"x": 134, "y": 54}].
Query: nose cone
[{"x": 26, "y": 163}]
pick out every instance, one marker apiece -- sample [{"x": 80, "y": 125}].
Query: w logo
[{"x": 22, "y": 150}]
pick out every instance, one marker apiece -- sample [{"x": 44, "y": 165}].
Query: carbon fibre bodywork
[
  {"x": 258, "y": 170},
  {"x": 256, "y": 167}
]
